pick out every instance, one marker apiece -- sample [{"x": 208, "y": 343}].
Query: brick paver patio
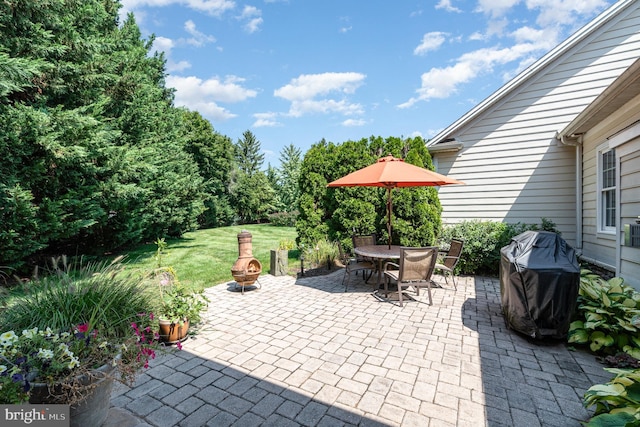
[{"x": 302, "y": 352}]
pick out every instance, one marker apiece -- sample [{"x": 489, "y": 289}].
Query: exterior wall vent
[{"x": 632, "y": 235}]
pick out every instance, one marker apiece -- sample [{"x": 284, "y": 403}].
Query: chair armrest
[{"x": 384, "y": 268}]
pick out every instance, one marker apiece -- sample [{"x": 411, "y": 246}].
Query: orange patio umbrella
[{"x": 390, "y": 172}]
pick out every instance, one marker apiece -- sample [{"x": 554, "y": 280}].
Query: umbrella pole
[{"x": 389, "y": 226}]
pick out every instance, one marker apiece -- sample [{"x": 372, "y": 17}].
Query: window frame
[{"x": 601, "y": 209}]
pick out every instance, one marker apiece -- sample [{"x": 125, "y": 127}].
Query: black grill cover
[{"x": 539, "y": 281}]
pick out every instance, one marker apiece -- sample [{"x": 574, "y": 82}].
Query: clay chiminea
[{"x": 246, "y": 269}]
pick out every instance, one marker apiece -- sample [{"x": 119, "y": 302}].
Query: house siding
[
  {"x": 600, "y": 246},
  {"x": 630, "y": 209},
  {"x": 595, "y": 245},
  {"x": 513, "y": 167}
]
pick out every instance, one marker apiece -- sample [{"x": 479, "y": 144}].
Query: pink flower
[{"x": 84, "y": 327}]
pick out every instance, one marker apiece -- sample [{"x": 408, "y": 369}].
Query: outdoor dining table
[{"x": 379, "y": 254}]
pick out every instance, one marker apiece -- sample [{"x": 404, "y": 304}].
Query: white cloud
[
  {"x": 213, "y": 7},
  {"x": 446, "y": 5},
  {"x": 177, "y": 66},
  {"x": 564, "y": 12},
  {"x": 430, "y": 41},
  {"x": 198, "y": 38},
  {"x": 496, "y": 8},
  {"x": 527, "y": 42},
  {"x": 203, "y": 95},
  {"x": 443, "y": 82},
  {"x": 497, "y": 27},
  {"x": 253, "y": 16},
  {"x": 164, "y": 44},
  {"x": 310, "y": 85},
  {"x": 253, "y": 25},
  {"x": 323, "y": 106},
  {"x": 303, "y": 90},
  {"x": 266, "y": 120},
  {"x": 346, "y": 26},
  {"x": 354, "y": 122}
]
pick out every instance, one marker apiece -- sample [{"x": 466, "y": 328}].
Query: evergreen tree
[
  {"x": 249, "y": 159},
  {"x": 337, "y": 213},
  {"x": 96, "y": 151},
  {"x": 213, "y": 153},
  {"x": 273, "y": 177},
  {"x": 252, "y": 197},
  {"x": 290, "y": 162}
]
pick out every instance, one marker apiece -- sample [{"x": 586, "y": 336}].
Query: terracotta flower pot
[{"x": 172, "y": 333}]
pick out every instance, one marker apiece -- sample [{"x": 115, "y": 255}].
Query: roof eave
[{"x": 446, "y": 147}]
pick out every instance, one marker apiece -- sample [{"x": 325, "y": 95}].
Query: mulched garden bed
[{"x": 317, "y": 271}]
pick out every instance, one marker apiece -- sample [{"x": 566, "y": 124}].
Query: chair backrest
[
  {"x": 417, "y": 264},
  {"x": 366, "y": 240},
  {"x": 453, "y": 256}
]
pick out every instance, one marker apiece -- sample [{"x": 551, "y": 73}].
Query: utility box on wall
[{"x": 632, "y": 235}]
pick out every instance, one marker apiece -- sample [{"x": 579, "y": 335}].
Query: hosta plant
[
  {"x": 617, "y": 402},
  {"x": 608, "y": 316}
]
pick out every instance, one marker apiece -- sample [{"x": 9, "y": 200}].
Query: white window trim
[{"x": 599, "y": 210}]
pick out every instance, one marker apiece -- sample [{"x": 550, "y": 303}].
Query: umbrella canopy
[{"x": 390, "y": 172}]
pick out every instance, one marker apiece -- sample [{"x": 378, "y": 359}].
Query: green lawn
[{"x": 204, "y": 258}]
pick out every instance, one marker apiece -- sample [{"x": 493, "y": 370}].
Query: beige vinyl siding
[
  {"x": 601, "y": 246},
  {"x": 514, "y": 168},
  {"x": 598, "y": 246},
  {"x": 630, "y": 209}
]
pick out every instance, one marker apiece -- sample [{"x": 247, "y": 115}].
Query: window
[{"x": 607, "y": 192}]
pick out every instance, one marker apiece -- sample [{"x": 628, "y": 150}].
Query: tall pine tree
[{"x": 249, "y": 159}]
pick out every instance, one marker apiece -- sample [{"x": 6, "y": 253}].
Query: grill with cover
[{"x": 539, "y": 282}]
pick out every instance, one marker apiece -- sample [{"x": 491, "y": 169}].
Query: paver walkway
[{"x": 304, "y": 352}]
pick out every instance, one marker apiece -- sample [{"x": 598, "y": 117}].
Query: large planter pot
[
  {"x": 171, "y": 332},
  {"x": 93, "y": 407}
]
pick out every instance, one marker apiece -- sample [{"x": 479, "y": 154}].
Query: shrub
[
  {"x": 283, "y": 219},
  {"x": 608, "y": 320},
  {"x": 101, "y": 294},
  {"x": 617, "y": 402},
  {"x": 338, "y": 213},
  {"x": 607, "y": 317},
  {"x": 286, "y": 245},
  {"x": 483, "y": 241},
  {"x": 321, "y": 252},
  {"x": 99, "y": 314}
]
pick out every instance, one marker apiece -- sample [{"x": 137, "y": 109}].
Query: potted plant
[
  {"x": 179, "y": 308},
  {"x": 65, "y": 336}
]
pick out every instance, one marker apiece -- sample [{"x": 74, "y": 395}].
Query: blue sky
[{"x": 297, "y": 71}]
